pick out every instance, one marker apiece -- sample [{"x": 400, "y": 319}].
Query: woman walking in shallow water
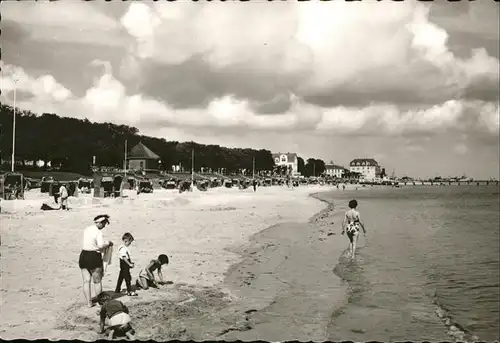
[{"x": 351, "y": 224}]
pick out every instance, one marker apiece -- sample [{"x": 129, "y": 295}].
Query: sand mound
[{"x": 179, "y": 312}]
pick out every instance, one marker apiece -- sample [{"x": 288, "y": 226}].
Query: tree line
[{"x": 71, "y": 144}]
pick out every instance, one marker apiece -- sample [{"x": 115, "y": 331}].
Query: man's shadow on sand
[{"x": 111, "y": 294}]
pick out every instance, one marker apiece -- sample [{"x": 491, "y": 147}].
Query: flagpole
[
  {"x": 14, "y": 128},
  {"x": 125, "y": 160},
  {"x": 192, "y": 166},
  {"x": 253, "y": 168}
]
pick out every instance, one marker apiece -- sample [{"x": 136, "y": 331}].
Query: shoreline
[
  {"x": 278, "y": 301},
  {"x": 221, "y": 311},
  {"x": 350, "y": 321}
]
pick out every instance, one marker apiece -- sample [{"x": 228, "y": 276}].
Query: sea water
[{"x": 429, "y": 268}]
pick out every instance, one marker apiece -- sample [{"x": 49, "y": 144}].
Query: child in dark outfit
[
  {"x": 125, "y": 265},
  {"x": 117, "y": 315}
]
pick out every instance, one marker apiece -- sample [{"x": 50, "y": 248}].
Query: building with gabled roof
[
  {"x": 335, "y": 170},
  {"x": 289, "y": 159},
  {"x": 367, "y": 167},
  {"x": 142, "y": 158}
]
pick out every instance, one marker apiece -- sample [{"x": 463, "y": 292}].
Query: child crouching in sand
[
  {"x": 117, "y": 315},
  {"x": 146, "y": 277}
]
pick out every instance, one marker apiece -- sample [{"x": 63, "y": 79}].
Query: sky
[{"x": 414, "y": 85}]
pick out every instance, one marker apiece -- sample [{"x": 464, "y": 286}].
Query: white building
[
  {"x": 287, "y": 159},
  {"x": 368, "y": 167},
  {"x": 334, "y": 170}
]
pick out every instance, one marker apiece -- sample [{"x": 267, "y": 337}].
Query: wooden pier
[{"x": 450, "y": 183}]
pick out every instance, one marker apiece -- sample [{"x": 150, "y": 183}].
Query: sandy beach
[{"x": 202, "y": 233}]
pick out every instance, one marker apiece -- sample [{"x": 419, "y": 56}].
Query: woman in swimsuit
[{"x": 351, "y": 224}]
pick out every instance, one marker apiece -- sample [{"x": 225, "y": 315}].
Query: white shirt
[
  {"x": 124, "y": 253},
  {"x": 93, "y": 238},
  {"x": 63, "y": 192}
]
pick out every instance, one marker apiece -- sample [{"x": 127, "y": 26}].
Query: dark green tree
[
  {"x": 70, "y": 144},
  {"x": 314, "y": 167},
  {"x": 300, "y": 165}
]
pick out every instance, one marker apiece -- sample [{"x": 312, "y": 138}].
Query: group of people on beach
[{"x": 95, "y": 253}]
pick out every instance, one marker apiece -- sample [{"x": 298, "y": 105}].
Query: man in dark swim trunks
[{"x": 90, "y": 261}]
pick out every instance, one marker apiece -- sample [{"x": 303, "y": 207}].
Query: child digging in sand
[
  {"x": 117, "y": 315},
  {"x": 125, "y": 265},
  {"x": 146, "y": 277}
]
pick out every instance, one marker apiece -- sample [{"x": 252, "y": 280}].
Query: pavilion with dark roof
[{"x": 142, "y": 158}]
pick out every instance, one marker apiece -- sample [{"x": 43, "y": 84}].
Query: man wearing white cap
[
  {"x": 63, "y": 193},
  {"x": 90, "y": 261}
]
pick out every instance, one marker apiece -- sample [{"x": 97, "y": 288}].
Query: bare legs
[
  {"x": 143, "y": 282},
  {"x": 353, "y": 240},
  {"x": 87, "y": 277},
  {"x": 98, "y": 287},
  {"x": 120, "y": 329},
  {"x": 86, "y": 286}
]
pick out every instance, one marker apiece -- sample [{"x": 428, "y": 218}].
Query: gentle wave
[
  {"x": 443, "y": 241},
  {"x": 455, "y": 330}
]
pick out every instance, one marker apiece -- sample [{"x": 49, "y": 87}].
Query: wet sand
[
  {"x": 201, "y": 232},
  {"x": 288, "y": 281}
]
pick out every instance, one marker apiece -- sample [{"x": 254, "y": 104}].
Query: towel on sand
[{"x": 107, "y": 254}]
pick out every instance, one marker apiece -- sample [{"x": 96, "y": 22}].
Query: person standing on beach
[
  {"x": 63, "y": 193},
  {"x": 351, "y": 224},
  {"x": 125, "y": 265},
  {"x": 90, "y": 261},
  {"x": 254, "y": 182}
]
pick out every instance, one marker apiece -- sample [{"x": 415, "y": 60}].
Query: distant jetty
[{"x": 448, "y": 183}]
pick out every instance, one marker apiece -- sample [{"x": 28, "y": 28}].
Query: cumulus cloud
[
  {"x": 330, "y": 53},
  {"x": 322, "y": 67},
  {"x": 43, "y": 88},
  {"x": 107, "y": 100}
]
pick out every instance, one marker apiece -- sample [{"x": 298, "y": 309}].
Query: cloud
[
  {"x": 460, "y": 149},
  {"x": 329, "y": 53},
  {"x": 72, "y": 22},
  {"x": 374, "y": 69},
  {"x": 44, "y": 88},
  {"x": 107, "y": 100}
]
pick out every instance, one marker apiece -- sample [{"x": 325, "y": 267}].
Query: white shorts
[
  {"x": 119, "y": 319},
  {"x": 143, "y": 274}
]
